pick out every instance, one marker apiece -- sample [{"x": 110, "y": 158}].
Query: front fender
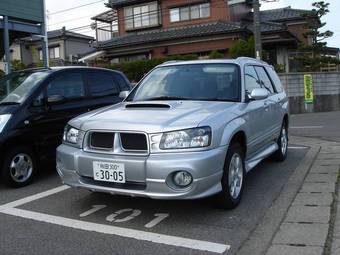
[{"x": 231, "y": 129}]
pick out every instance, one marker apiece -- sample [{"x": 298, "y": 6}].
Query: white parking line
[
  {"x": 297, "y": 147},
  {"x": 36, "y": 196},
  {"x": 106, "y": 229},
  {"x": 306, "y": 127}
]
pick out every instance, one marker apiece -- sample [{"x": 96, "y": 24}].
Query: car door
[
  {"x": 270, "y": 102},
  {"x": 49, "y": 117},
  {"x": 280, "y": 99},
  {"x": 103, "y": 88},
  {"x": 257, "y": 113}
]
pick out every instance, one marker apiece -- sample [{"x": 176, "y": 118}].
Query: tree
[
  {"x": 314, "y": 55},
  {"x": 243, "y": 48}
]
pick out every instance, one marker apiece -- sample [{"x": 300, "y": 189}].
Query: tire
[
  {"x": 281, "y": 154},
  {"x": 232, "y": 191},
  {"x": 19, "y": 167}
]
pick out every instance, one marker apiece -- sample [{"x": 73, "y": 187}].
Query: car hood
[{"x": 152, "y": 117}]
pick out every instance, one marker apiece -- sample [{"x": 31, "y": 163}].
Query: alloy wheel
[
  {"x": 235, "y": 176},
  {"x": 21, "y": 167}
]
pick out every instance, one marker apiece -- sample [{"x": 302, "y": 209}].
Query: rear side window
[
  {"x": 69, "y": 85},
  {"x": 102, "y": 84},
  {"x": 251, "y": 79},
  {"x": 265, "y": 80},
  {"x": 275, "y": 79}
]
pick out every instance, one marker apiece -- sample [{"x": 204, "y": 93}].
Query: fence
[{"x": 326, "y": 88}]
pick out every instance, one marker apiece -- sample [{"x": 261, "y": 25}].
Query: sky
[{"x": 80, "y": 17}]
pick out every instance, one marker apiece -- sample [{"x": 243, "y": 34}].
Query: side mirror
[
  {"x": 55, "y": 99},
  {"x": 124, "y": 94},
  {"x": 259, "y": 94}
]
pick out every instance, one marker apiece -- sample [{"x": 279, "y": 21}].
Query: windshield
[
  {"x": 205, "y": 82},
  {"x": 15, "y": 87}
]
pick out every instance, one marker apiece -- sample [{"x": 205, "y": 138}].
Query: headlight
[
  {"x": 188, "y": 138},
  {"x": 72, "y": 135},
  {"x": 3, "y": 120}
]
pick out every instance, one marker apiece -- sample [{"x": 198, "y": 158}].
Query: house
[
  {"x": 65, "y": 47},
  {"x": 153, "y": 29}
]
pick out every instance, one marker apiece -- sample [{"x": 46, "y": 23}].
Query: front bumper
[{"x": 146, "y": 176}]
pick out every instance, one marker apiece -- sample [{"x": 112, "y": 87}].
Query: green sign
[
  {"x": 26, "y": 10},
  {"x": 308, "y": 85}
]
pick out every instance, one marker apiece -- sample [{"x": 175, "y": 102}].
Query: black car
[{"x": 36, "y": 104}]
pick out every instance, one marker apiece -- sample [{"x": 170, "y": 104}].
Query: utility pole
[
  {"x": 45, "y": 38},
  {"x": 257, "y": 29}
]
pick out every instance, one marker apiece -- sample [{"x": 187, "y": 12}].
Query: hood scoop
[{"x": 147, "y": 105}]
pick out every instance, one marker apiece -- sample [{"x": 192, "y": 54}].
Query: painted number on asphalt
[{"x": 159, "y": 217}]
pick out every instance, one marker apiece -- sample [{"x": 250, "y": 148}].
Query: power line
[
  {"x": 65, "y": 21},
  {"x": 76, "y": 7}
]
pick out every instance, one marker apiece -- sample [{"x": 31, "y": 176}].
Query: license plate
[{"x": 108, "y": 172}]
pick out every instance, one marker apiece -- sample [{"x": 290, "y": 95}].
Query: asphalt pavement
[
  {"x": 323, "y": 125},
  {"x": 74, "y": 221},
  {"x": 49, "y": 218}
]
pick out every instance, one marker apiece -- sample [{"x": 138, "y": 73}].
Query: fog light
[{"x": 182, "y": 179}]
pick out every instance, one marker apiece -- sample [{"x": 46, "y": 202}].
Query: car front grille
[
  {"x": 116, "y": 142},
  {"x": 133, "y": 142},
  {"x": 102, "y": 140}
]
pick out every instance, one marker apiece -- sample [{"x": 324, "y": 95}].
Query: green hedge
[{"x": 137, "y": 69}]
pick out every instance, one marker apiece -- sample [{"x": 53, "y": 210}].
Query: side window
[
  {"x": 120, "y": 81},
  {"x": 275, "y": 78},
  {"x": 251, "y": 79},
  {"x": 69, "y": 85},
  {"x": 264, "y": 79},
  {"x": 102, "y": 84},
  {"x": 39, "y": 100}
]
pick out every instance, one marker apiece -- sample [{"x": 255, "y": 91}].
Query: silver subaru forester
[{"x": 187, "y": 130}]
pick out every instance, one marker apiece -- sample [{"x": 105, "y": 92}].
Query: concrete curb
[
  {"x": 308, "y": 226},
  {"x": 261, "y": 237}
]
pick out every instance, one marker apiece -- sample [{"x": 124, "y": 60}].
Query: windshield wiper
[
  {"x": 166, "y": 98},
  {"x": 9, "y": 103},
  {"x": 214, "y": 99}
]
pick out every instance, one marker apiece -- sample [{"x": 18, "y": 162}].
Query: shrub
[
  {"x": 216, "y": 55},
  {"x": 137, "y": 69},
  {"x": 2, "y": 73},
  {"x": 17, "y": 65}
]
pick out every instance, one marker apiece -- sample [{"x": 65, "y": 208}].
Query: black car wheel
[
  {"x": 19, "y": 167},
  {"x": 233, "y": 178}
]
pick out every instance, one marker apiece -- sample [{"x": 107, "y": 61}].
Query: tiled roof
[
  {"x": 281, "y": 14},
  {"x": 266, "y": 27},
  {"x": 206, "y": 29},
  {"x": 59, "y": 33},
  {"x": 115, "y": 3}
]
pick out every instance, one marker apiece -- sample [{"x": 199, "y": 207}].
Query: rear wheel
[
  {"x": 282, "y": 142},
  {"x": 233, "y": 178},
  {"x": 18, "y": 167}
]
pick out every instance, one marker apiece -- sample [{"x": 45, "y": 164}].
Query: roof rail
[
  {"x": 171, "y": 62},
  {"x": 250, "y": 59}
]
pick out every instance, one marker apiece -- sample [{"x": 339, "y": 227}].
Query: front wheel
[
  {"x": 233, "y": 178},
  {"x": 18, "y": 167},
  {"x": 281, "y": 153}
]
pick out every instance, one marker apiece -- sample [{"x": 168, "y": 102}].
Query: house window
[
  {"x": 141, "y": 16},
  {"x": 54, "y": 52},
  {"x": 197, "y": 11}
]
